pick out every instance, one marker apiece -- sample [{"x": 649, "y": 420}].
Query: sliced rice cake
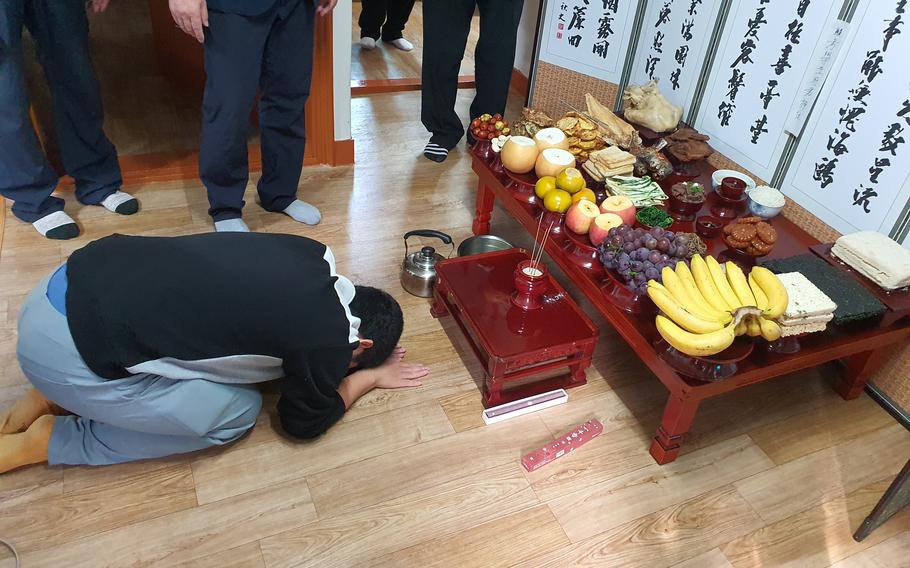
[
  {"x": 802, "y": 329},
  {"x": 876, "y": 257},
  {"x": 806, "y": 300}
]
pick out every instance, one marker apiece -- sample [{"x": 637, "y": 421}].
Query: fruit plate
[
  {"x": 583, "y": 254},
  {"x": 521, "y": 186},
  {"x": 623, "y": 298},
  {"x": 708, "y": 369}
]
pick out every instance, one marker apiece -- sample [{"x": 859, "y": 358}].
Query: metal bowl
[{"x": 481, "y": 244}]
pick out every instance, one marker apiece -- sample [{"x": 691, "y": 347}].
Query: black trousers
[
  {"x": 271, "y": 54},
  {"x": 384, "y": 18},
  {"x": 446, "y": 24}
]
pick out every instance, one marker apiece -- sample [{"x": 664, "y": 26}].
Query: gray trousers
[{"x": 133, "y": 418}]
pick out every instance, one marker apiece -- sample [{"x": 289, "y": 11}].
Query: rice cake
[
  {"x": 805, "y": 298},
  {"x": 876, "y": 257}
]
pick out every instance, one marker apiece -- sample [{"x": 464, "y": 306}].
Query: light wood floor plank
[
  {"x": 893, "y": 553},
  {"x": 827, "y": 474},
  {"x": 225, "y": 474},
  {"x": 817, "y": 537},
  {"x": 362, "y": 534},
  {"x": 712, "y": 559},
  {"x": 58, "y": 520},
  {"x": 418, "y": 468},
  {"x": 820, "y": 428},
  {"x": 530, "y": 533},
  {"x": 188, "y": 535},
  {"x": 597, "y": 508},
  {"x": 662, "y": 538},
  {"x": 246, "y": 556},
  {"x": 20, "y": 487}
]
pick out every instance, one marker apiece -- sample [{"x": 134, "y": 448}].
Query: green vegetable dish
[{"x": 653, "y": 217}]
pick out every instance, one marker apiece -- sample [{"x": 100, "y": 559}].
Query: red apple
[
  {"x": 580, "y": 216},
  {"x": 619, "y": 205},
  {"x": 602, "y": 225}
]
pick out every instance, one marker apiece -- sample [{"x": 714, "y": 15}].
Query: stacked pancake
[
  {"x": 876, "y": 257},
  {"x": 809, "y": 309},
  {"x": 609, "y": 162}
]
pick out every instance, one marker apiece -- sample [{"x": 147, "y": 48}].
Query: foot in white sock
[
  {"x": 231, "y": 226},
  {"x": 58, "y": 225},
  {"x": 121, "y": 203},
  {"x": 402, "y": 44},
  {"x": 368, "y": 43},
  {"x": 303, "y": 212}
]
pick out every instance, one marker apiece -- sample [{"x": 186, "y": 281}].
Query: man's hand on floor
[{"x": 394, "y": 374}]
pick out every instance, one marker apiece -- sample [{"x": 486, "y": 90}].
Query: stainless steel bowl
[{"x": 481, "y": 244}]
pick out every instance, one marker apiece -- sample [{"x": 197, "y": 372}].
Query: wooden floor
[
  {"x": 387, "y": 62},
  {"x": 779, "y": 474}
]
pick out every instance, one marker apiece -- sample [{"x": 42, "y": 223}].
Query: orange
[
  {"x": 585, "y": 194},
  {"x": 570, "y": 179},
  {"x": 557, "y": 200},
  {"x": 544, "y": 185}
]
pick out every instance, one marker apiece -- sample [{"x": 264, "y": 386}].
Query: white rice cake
[
  {"x": 802, "y": 329},
  {"x": 876, "y": 257},
  {"x": 806, "y": 300},
  {"x": 824, "y": 318}
]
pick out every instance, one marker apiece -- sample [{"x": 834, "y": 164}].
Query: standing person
[
  {"x": 161, "y": 357},
  {"x": 250, "y": 46},
  {"x": 446, "y": 24},
  {"x": 60, "y": 32},
  {"x": 385, "y": 19}
]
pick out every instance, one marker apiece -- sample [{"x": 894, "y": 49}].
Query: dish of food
[{"x": 751, "y": 236}]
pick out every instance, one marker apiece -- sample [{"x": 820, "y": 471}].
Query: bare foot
[
  {"x": 27, "y": 409},
  {"x": 26, "y": 448}
]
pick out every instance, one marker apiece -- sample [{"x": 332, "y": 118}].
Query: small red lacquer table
[{"x": 531, "y": 351}]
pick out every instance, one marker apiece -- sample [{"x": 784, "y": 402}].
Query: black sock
[{"x": 435, "y": 152}]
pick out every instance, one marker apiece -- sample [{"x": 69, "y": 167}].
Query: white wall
[
  {"x": 527, "y": 30},
  {"x": 341, "y": 53}
]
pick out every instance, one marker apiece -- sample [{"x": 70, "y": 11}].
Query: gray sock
[
  {"x": 231, "y": 226},
  {"x": 303, "y": 212}
]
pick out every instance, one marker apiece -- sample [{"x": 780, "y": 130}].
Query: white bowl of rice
[{"x": 765, "y": 201}]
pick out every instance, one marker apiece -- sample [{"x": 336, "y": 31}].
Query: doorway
[{"x": 387, "y": 69}]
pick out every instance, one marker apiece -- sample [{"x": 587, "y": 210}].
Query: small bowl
[
  {"x": 708, "y": 226},
  {"x": 647, "y": 226},
  {"x": 687, "y": 209},
  {"x": 761, "y": 210},
  {"x": 726, "y": 207},
  {"x": 732, "y": 187},
  {"x": 718, "y": 176}
]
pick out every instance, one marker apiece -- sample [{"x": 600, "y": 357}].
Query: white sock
[
  {"x": 368, "y": 43},
  {"x": 57, "y": 225},
  {"x": 122, "y": 203},
  {"x": 231, "y": 226},
  {"x": 303, "y": 212},
  {"x": 402, "y": 44}
]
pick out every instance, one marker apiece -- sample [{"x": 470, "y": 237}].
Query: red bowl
[
  {"x": 708, "y": 226},
  {"x": 732, "y": 188},
  {"x": 685, "y": 208}
]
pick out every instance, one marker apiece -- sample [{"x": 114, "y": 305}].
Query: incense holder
[{"x": 530, "y": 285}]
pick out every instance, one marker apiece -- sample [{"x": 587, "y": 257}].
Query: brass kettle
[{"x": 418, "y": 270}]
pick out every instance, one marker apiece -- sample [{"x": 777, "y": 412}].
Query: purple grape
[
  {"x": 640, "y": 279},
  {"x": 616, "y": 241},
  {"x": 664, "y": 257},
  {"x": 612, "y": 232},
  {"x": 623, "y": 229},
  {"x": 623, "y": 257},
  {"x": 670, "y": 235},
  {"x": 663, "y": 245},
  {"x": 654, "y": 256},
  {"x": 658, "y": 232},
  {"x": 636, "y": 266},
  {"x": 672, "y": 250},
  {"x": 609, "y": 264},
  {"x": 642, "y": 288},
  {"x": 609, "y": 255},
  {"x": 639, "y": 233},
  {"x": 652, "y": 273},
  {"x": 651, "y": 244},
  {"x": 628, "y": 247}
]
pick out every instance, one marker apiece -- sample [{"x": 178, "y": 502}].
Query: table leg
[
  {"x": 678, "y": 416},
  {"x": 492, "y": 393},
  {"x": 859, "y": 368},
  {"x": 483, "y": 211},
  {"x": 577, "y": 370},
  {"x": 438, "y": 307}
]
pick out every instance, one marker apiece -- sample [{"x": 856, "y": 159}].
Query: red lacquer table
[
  {"x": 859, "y": 348},
  {"x": 531, "y": 351}
]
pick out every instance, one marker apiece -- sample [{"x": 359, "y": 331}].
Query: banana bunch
[{"x": 705, "y": 307}]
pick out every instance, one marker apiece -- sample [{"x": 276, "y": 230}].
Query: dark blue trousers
[
  {"x": 272, "y": 54},
  {"x": 60, "y": 31}
]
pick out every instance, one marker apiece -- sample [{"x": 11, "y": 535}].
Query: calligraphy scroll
[
  {"x": 588, "y": 36},
  {"x": 852, "y": 165},
  {"x": 760, "y": 65},
  {"x": 672, "y": 45}
]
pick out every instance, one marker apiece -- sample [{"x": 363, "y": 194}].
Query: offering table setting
[{"x": 729, "y": 229}]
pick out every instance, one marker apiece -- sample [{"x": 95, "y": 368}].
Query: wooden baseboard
[
  {"x": 520, "y": 84},
  {"x": 343, "y": 153},
  {"x": 362, "y": 87}
]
